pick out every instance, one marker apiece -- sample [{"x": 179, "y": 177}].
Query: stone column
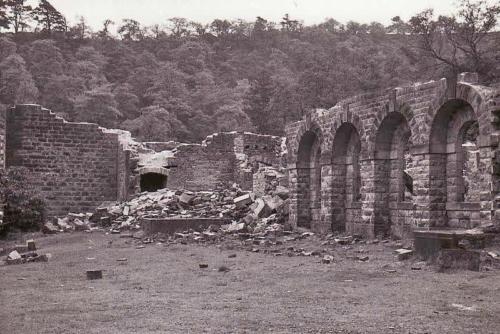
[{"x": 367, "y": 224}]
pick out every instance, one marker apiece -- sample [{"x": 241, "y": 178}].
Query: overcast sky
[{"x": 310, "y": 11}]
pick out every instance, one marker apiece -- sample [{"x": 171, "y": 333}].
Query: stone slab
[{"x": 173, "y": 225}]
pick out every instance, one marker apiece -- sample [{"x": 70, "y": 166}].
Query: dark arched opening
[
  {"x": 153, "y": 182},
  {"x": 346, "y": 176},
  {"x": 308, "y": 179},
  {"x": 393, "y": 180},
  {"x": 454, "y": 161}
]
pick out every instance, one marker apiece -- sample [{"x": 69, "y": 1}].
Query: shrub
[{"x": 23, "y": 208}]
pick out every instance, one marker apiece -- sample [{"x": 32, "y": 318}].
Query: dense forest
[{"x": 183, "y": 80}]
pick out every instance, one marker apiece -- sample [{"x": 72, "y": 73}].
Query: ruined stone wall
[
  {"x": 427, "y": 120},
  {"x": 202, "y": 167},
  {"x": 74, "y": 166},
  {"x": 223, "y": 158}
]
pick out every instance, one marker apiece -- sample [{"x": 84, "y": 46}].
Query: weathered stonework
[
  {"x": 223, "y": 159},
  {"x": 350, "y": 167},
  {"x": 77, "y": 166},
  {"x": 74, "y": 166}
]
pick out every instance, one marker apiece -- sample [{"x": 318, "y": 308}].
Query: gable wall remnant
[{"x": 74, "y": 166}]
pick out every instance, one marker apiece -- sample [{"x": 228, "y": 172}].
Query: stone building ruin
[
  {"x": 412, "y": 157},
  {"x": 77, "y": 166},
  {"x": 422, "y": 156}
]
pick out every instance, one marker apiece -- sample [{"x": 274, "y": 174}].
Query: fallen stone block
[
  {"x": 282, "y": 192},
  {"x": 243, "y": 200},
  {"x": 248, "y": 219},
  {"x": 344, "y": 240},
  {"x": 14, "y": 255},
  {"x": 273, "y": 202},
  {"x": 458, "y": 259},
  {"x": 80, "y": 225},
  {"x": 126, "y": 210},
  {"x": 186, "y": 199},
  {"x": 63, "y": 224},
  {"x": 235, "y": 227},
  {"x": 327, "y": 259},
  {"x": 49, "y": 228},
  {"x": 203, "y": 265},
  {"x": 31, "y": 245},
  {"x": 403, "y": 254},
  {"x": 261, "y": 209},
  {"x": 494, "y": 255},
  {"x": 94, "y": 274}
]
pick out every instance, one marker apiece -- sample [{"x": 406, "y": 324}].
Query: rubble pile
[{"x": 244, "y": 209}]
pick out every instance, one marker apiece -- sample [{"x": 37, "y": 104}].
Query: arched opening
[
  {"x": 308, "y": 179},
  {"x": 346, "y": 176},
  {"x": 153, "y": 182},
  {"x": 455, "y": 165},
  {"x": 393, "y": 164}
]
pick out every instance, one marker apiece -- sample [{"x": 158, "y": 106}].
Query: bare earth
[{"x": 161, "y": 289}]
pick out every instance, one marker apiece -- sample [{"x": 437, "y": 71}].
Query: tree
[
  {"x": 200, "y": 29},
  {"x": 355, "y": 28},
  {"x": 45, "y": 60},
  {"x": 20, "y": 14},
  {"x": 331, "y": 25},
  {"x": 154, "y": 124},
  {"x": 156, "y": 31},
  {"x": 258, "y": 98},
  {"x": 4, "y": 17},
  {"x": 98, "y": 106},
  {"x": 104, "y": 33},
  {"x": 398, "y": 26},
  {"x": 376, "y": 29},
  {"x": 289, "y": 25},
  {"x": 179, "y": 27},
  {"x": 220, "y": 28},
  {"x": 49, "y": 18},
  {"x": 7, "y": 48},
  {"x": 16, "y": 83},
  {"x": 131, "y": 30},
  {"x": 81, "y": 30},
  {"x": 459, "y": 42},
  {"x": 128, "y": 102}
]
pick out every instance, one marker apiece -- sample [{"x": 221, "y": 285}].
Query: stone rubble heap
[{"x": 246, "y": 211}]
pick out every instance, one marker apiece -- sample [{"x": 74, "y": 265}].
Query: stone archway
[
  {"x": 393, "y": 183},
  {"x": 153, "y": 179},
  {"x": 308, "y": 179},
  {"x": 456, "y": 159},
  {"x": 346, "y": 176}
]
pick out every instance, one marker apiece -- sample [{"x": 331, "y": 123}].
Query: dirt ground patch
[{"x": 161, "y": 289}]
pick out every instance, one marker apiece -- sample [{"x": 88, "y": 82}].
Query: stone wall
[
  {"x": 360, "y": 156},
  {"x": 74, "y": 166},
  {"x": 222, "y": 159}
]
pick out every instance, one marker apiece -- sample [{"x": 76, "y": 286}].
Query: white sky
[{"x": 310, "y": 11}]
